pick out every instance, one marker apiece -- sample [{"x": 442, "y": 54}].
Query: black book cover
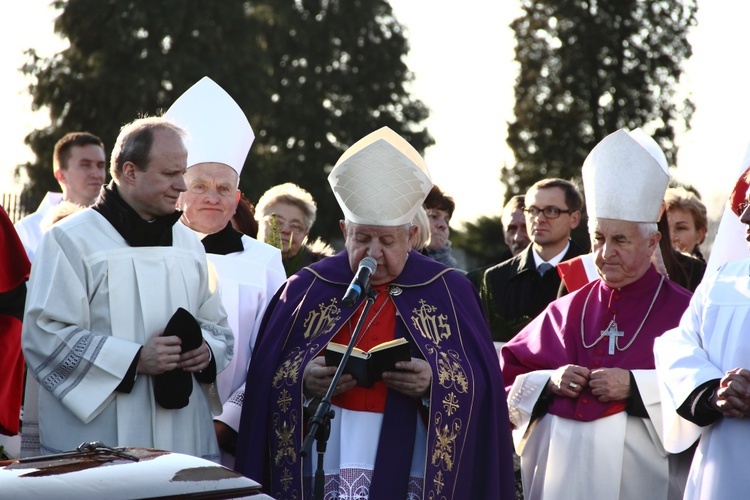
[{"x": 368, "y": 367}]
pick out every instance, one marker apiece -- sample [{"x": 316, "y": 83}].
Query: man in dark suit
[{"x": 518, "y": 289}]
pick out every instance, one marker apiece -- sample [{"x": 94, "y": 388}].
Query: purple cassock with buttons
[{"x": 575, "y": 329}]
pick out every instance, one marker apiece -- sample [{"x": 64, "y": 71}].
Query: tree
[
  {"x": 313, "y": 77},
  {"x": 589, "y": 68},
  {"x": 481, "y": 240}
]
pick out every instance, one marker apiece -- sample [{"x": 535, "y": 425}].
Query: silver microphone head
[{"x": 369, "y": 263}]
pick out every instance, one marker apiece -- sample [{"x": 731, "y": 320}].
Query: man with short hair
[
  {"x": 514, "y": 225},
  {"x": 516, "y": 290},
  {"x": 435, "y": 426},
  {"x": 106, "y": 284},
  {"x": 513, "y": 221},
  {"x": 582, "y": 391},
  {"x": 80, "y": 169},
  {"x": 249, "y": 271}
]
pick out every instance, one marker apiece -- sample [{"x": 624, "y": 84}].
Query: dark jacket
[
  {"x": 688, "y": 272},
  {"x": 513, "y": 292}
]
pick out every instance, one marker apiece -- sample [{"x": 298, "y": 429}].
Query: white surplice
[
  {"x": 713, "y": 337},
  {"x": 30, "y": 231},
  {"x": 93, "y": 302},
  {"x": 29, "y": 228},
  {"x": 616, "y": 457},
  {"x": 248, "y": 281}
]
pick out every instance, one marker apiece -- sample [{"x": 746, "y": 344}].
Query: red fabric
[
  {"x": 14, "y": 270},
  {"x": 739, "y": 194},
  {"x": 573, "y": 273},
  {"x": 11, "y": 383},
  {"x": 14, "y": 264},
  {"x": 381, "y": 330}
]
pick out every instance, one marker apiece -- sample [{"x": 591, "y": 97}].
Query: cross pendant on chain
[{"x": 612, "y": 332}]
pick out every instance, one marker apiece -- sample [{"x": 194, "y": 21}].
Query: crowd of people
[{"x": 164, "y": 309}]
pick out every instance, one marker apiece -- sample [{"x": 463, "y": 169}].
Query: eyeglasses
[
  {"x": 549, "y": 212},
  {"x": 294, "y": 226}
]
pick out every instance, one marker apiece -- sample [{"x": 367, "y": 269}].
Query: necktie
[{"x": 544, "y": 267}]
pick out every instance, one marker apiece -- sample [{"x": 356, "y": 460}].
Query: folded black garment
[{"x": 172, "y": 389}]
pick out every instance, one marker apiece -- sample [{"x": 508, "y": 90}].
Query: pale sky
[{"x": 463, "y": 61}]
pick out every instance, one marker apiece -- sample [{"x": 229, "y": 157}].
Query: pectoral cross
[{"x": 612, "y": 332}]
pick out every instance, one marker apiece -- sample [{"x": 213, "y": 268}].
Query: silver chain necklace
[{"x": 611, "y": 330}]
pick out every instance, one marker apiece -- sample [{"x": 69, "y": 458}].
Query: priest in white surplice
[
  {"x": 219, "y": 138},
  {"x": 704, "y": 366},
  {"x": 104, "y": 285},
  {"x": 580, "y": 377}
]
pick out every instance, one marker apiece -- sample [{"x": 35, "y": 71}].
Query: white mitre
[
  {"x": 381, "y": 180},
  {"x": 625, "y": 177},
  {"x": 217, "y": 129}
]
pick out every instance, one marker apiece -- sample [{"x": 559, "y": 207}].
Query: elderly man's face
[
  {"x": 622, "y": 254},
  {"x": 211, "y": 198},
  {"x": 388, "y": 245},
  {"x": 516, "y": 236}
]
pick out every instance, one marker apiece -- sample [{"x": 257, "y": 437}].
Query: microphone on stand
[
  {"x": 361, "y": 281},
  {"x": 319, "y": 425}
]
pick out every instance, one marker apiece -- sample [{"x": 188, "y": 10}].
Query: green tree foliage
[
  {"x": 313, "y": 77},
  {"x": 481, "y": 240},
  {"x": 589, "y": 68}
]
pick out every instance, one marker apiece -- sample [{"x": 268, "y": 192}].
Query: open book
[{"x": 367, "y": 367}]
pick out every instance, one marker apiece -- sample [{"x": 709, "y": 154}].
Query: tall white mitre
[
  {"x": 625, "y": 177},
  {"x": 381, "y": 180},
  {"x": 217, "y": 128}
]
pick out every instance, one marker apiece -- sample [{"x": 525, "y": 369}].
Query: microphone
[{"x": 361, "y": 281}]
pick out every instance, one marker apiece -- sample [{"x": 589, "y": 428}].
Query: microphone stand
[{"x": 319, "y": 424}]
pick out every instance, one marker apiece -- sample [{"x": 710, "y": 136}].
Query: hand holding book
[
  {"x": 368, "y": 367},
  {"x": 412, "y": 378},
  {"x": 317, "y": 378}
]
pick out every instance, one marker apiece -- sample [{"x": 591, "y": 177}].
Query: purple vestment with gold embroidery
[{"x": 468, "y": 441}]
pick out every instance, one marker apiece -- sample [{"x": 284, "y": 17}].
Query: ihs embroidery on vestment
[
  {"x": 431, "y": 325},
  {"x": 321, "y": 321}
]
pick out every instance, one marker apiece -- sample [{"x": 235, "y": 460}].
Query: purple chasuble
[
  {"x": 553, "y": 339},
  {"x": 468, "y": 436}
]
